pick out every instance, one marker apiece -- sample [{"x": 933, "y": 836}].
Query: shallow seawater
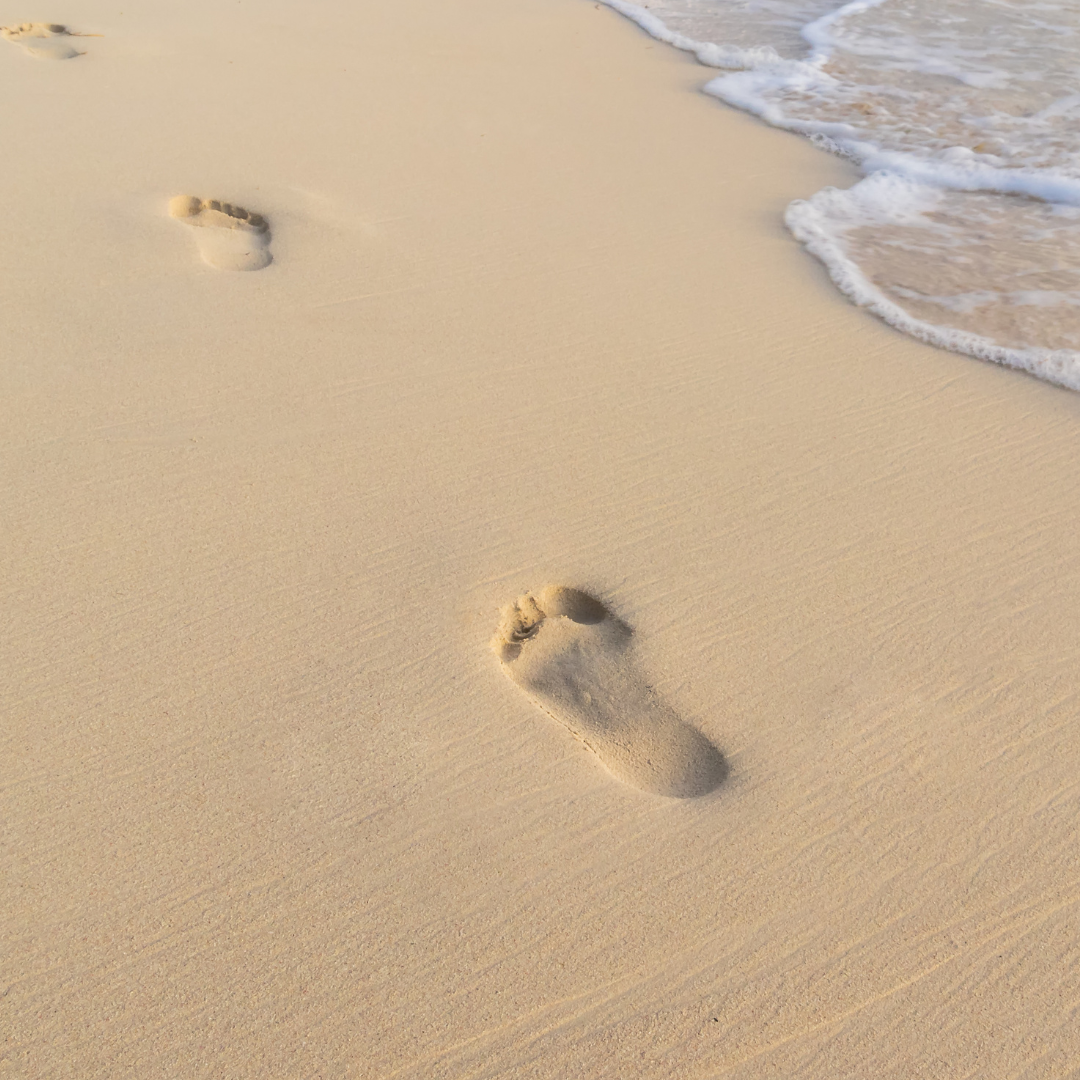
[{"x": 965, "y": 117}]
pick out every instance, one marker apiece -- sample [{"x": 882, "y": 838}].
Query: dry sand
[{"x": 271, "y": 808}]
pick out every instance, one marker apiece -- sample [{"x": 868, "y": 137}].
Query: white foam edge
[
  {"x": 813, "y": 223},
  {"x": 752, "y": 68},
  {"x": 744, "y": 90},
  {"x": 707, "y": 52},
  {"x": 751, "y": 72},
  {"x": 817, "y": 34}
]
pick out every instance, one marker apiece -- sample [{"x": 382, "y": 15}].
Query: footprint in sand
[
  {"x": 573, "y": 658},
  {"x": 230, "y": 237},
  {"x": 47, "y": 41}
]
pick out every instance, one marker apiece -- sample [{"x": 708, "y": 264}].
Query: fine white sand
[{"x": 527, "y": 321}]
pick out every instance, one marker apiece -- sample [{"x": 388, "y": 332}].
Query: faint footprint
[
  {"x": 232, "y": 239},
  {"x": 573, "y": 658},
  {"x": 47, "y": 41}
]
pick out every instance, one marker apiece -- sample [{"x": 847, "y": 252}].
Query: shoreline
[
  {"x": 532, "y": 319},
  {"x": 875, "y": 236}
]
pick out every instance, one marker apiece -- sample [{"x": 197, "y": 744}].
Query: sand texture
[{"x": 273, "y": 807}]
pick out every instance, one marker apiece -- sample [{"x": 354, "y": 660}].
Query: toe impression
[
  {"x": 44, "y": 40},
  {"x": 230, "y": 237}
]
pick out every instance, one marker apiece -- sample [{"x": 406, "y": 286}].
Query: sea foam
[{"x": 965, "y": 117}]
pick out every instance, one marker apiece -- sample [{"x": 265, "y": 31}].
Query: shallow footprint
[
  {"x": 573, "y": 658},
  {"x": 47, "y": 41},
  {"x": 232, "y": 238}
]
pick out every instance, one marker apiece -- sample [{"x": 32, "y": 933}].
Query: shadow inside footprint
[
  {"x": 47, "y": 41},
  {"x": 572, "y": 657},
  {"x": 230, "y": 237}
]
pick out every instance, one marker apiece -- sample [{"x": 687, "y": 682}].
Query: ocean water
[{"x": 964, "y": 116}]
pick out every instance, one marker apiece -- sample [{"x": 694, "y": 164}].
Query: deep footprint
[
  {"x": 47, "y": 41},
  {"x": 233, "y": 238},
  {"x": 573, "y": 658}
]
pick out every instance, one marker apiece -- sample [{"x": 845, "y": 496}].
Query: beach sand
[{"x": 272, "y": 807}]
